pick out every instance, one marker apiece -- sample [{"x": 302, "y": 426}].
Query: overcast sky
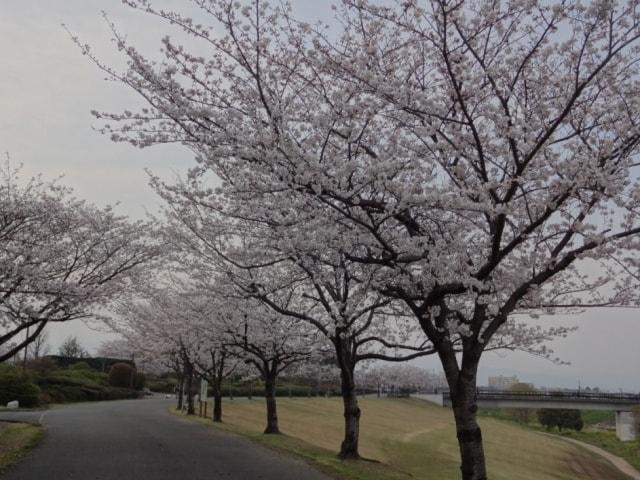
[{"x": 48, "y": 88}]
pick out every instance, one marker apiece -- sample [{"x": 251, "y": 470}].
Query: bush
[
  {"x": 63, "y": 389},
  {"x": 80, "y": 376},
  {"x": 162, "y": 385},
  {"x": 41, "y": 366},
  {"x": 122, "y": 375},
  {"x": 16, "y": 386},
  {"x": 101, "y": 364},
  {"x": 552, "y": 418},
  {"x": 140, "y": 381},
  {"x": 80, "y": 366}
]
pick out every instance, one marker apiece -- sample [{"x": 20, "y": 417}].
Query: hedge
[
  {"x": 16, "y": 386},
  {"x": 101, "y": 364}
]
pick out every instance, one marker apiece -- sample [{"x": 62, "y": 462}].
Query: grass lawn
[
  {"x": 608, "y": 441},
  {"x": 605, "y": 439},
  {"x": 16, "y": 439},
  {"x": 411, "y": 439}
]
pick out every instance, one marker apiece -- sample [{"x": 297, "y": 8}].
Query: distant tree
[
  {"x": 560, "y": 418},
  {"x": 40, "y": 345},
  {"x": 269, "y": 342},
  {"x": 72, "y": 348},
  {"x": 122, "y": 375},
  {"x": 522, "y": 415},
  {"x": 547, "y": 418},
  {"x": 400, "y": 378}
]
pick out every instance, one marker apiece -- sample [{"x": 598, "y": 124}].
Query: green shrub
[
  {"x": 560, "y": 418},
  {"x": 17, "y": 386},
  {"x": 75, "y": 377},
  {"x": 100, "y": 364},
  {"x": 162, "y": 385},
  {"x": 80, "y": 366},
  {"x": 140, "y": 381},
  {"x": 41, "y": 366},
  {"x": 70, "y": 390}
]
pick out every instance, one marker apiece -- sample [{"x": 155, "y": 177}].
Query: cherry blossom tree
[
  {"x": 315, "y": 285},
  {"x": 152, "y": 323},
  {"x": 60, "y": 258},
  {"x": 400, "y": 377},
  {"x": 168, "y": 320},
  {"x": 524, "y": 119},
  {"x": 476, "y": 159},
  {"x": 270, "y": 342},
  {"x": 208, "y": 319}
]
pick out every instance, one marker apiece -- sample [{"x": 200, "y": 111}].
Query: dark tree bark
[
  {"x": 217, "y": 404},
  {"x": 180, "y": 392},
  {"x": 216, "y": 375},
  {"x": 463, "y": 387},
  {"x": 349, "y": 447},
  {"x": 189, "y": 374},
  {"x": 270, "y": 397},
  {"x": 346, "y": 355}
]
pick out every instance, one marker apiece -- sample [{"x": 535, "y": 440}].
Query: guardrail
[{"x": 568, "y": 396}]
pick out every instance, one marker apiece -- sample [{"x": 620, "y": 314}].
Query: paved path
[
  {"x": 620, "y": 463},
  {"x": 141, "y": 440}
]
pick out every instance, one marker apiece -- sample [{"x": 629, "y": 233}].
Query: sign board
[{"x": 203, "y": 389}]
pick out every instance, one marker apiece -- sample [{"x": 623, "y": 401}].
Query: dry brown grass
[{"x": 418, "y": 438}]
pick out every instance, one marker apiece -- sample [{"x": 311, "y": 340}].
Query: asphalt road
[{"x": 141, "y": 440}]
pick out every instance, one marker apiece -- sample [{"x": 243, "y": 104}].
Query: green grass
[
  {"x": 604, "y": 439},
  {"x": 16, "y": 440},
  {"x": 591, "y": 417},
  {"x": 409, "y": 438},
  {"x": 608, "y": 441}
]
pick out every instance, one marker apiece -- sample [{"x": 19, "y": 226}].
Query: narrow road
[{"x": 141, "y": 440}]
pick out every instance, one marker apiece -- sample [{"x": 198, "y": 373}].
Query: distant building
[{"x": 502, "y": 383}]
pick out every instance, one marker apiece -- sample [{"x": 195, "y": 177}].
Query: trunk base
[
  {"x": 348, "y": 455},
  {"x": 272, "y": 431}
]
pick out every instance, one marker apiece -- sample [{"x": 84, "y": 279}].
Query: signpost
[{"x": 204, "y": 385}]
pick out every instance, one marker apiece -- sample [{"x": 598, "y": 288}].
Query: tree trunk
[
  {"x": 349, "y": 447},
  {"x": 217, "y": 403},
  {"x": 180, "y": 393},
  {"x": 465, "y": 409},
  {"x": 191, "y": 408},
  {"x": 272, "y": 412}
]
